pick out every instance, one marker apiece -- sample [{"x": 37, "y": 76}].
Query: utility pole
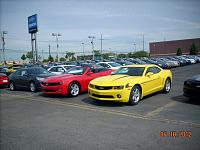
[
  {"x": 134, "y": 46},
  {"x": 3, "y": 48},
  {"x": 143, "y": 41},
  {"x": 83, "y": 51},
  {"x": 101, "y": 48},
  {"x": 92, "y": 42},
  {"x": 56, "y": 35},
  {"x": 49, "y": 52}
]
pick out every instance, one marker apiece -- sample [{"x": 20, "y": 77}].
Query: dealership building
[{"x": 168, "y": 48}]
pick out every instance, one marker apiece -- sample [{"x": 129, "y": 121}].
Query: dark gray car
[{"x": 28, "y": 78}]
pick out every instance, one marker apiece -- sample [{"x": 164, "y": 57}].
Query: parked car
[
  {"x": 191, "y": 87},
  {"x": 59, "y": 69},
  {"x": 28, "y": 78},
  {"x": 131, "y": 83},
  {"x": 4, "y": 80},
  {"x": 74, "y": 81},
  {"x": 110, "y": 65}
]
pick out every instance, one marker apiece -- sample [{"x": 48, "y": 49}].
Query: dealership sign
[{"x": 32, "y": 24}]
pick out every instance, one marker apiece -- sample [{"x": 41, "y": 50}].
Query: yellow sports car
[{"x": 131, "y": 83}]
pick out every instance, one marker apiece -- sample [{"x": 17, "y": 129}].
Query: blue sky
[{"x": 121, "y": 22}]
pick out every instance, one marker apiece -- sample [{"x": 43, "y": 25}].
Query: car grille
[
  {"x": 100, "y": 87},
  {"x": 103, "y": 87},
  {"x": 50, "y": 84},
  {"x": 102, "y": 96},
  {"x": 192, "y": 83}
]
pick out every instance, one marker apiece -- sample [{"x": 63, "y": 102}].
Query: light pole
[
  {"x": 92, "y": 42},
  {"x": 83, "y": 51},
  {"x": 134, "y": 46},
  {"x": 56, "y": 35},
  {"x": 3, "y": 48}
]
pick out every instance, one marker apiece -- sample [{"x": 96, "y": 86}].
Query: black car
[
  {"x": 28, "y": 78},
  {"x": 191, "y": 87}
]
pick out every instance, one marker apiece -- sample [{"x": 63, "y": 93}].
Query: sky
[{"x": 122, "y": 24}]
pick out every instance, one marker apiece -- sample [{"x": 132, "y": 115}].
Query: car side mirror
[
  {"x": 89, "y": 73},
  {"x": 149, "y": 74},
  {"x": 25, "y": 75}
]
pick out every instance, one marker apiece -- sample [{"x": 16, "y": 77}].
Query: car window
[
  {"x": 54, "y": 69},
  {"x": 104, "y": 65},
  {"x": 113, "y": 64},
  {"x": 18, "y": 72},
  {"x": 60, "y": 69},
  {"x": 76, "y": 70},
  {"x": 38, "y": 70},
  {"x": 23, "y": 72},
  {"x": 153, "y": 69},
  {"x": 132, "y": 71}
]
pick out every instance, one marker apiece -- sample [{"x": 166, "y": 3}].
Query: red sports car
[
  {"x": 74, "y": 81},
  {"x": 3, "y": 79}
]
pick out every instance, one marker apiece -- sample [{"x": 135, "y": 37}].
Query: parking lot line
[
  {"x": 160, "y": 109},
  {"x": 111, "y": 111}
]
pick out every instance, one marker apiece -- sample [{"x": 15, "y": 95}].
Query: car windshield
[
  {"x": 39, "y": 71},
  {"x": 131, "y": 71},
  {"x": 113, "y": 64},
  {"x": 76, "y": 70}
]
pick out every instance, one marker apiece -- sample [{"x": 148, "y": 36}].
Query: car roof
[{"x": 140, "y": 65}]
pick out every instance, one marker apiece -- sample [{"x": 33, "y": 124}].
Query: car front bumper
[
  {"x": 192, "y": 92},
  {"x": 110, "y": 95},
  {"x": 55, "y": 90}
]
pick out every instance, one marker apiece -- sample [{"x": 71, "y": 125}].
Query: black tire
[
  {"x": 134, "y": 99},
  {"x": 12, "y": 86},
  {"x": 74, "y": 89},
  {"x": 32, "y": 87},
  {"x": 167, "y": 86}
]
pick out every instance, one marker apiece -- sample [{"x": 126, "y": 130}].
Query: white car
[
  {"x": 59, "y": 69},
  {"x": 110, "y": 65}
]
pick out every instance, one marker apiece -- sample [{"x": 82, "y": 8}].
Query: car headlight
[
  {"x": 118, "y": 87},
  {"x": 39, "y": 78}
]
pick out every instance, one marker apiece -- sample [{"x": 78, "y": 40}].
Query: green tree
[
  {"x": 138, "y": 54},
  {"x": 29, "y": 55},
  {"x": 193, "y": 49},
  {"x": 179, "y": 52},
  {"x": 70, "y": 55},
  {"x": 50, "y": 58},
  {"x": 121, "y": 56},
  {"x": 23, "y": 57},
  {"x": 62, "y": 59},
  {"x": 45, "y": 60}
]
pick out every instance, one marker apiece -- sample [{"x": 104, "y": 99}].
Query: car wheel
[
  {"x": 32, "y": 87},
  {"x": 167, "y": 86},
  {"x": 12, "y": 86},
  {"x": 74, "y": 89},
  {"x": 135, "y": 95}
]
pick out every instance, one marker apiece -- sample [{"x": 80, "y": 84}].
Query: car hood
[
  {"x": 196, "y": 77},
  {"x": 59, "y": 77},
  {"x": 113, "y": 80},
  {"x": 45, "y": 75}
]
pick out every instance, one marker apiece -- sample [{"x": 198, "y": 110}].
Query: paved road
[{"x": 33, "y": 121}]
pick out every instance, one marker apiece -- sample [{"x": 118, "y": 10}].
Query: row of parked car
[{"x": 73, "y": 78}]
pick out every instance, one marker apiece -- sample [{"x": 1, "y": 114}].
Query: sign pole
[{"x": 36, "y": 52}]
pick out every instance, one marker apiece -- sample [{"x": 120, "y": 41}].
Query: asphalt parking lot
[{"x": 34, "y": 121}]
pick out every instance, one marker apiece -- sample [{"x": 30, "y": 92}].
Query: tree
[
  {"x": 29, "y": 55},
  {"x": 193, "y": 49},
  {"x": 45, "y": 60},
  {"x": 50, "y": 58},
  {"x": 138, "y": 54},
  {"x": 62, "y": 59},
  {"x": 69, "y": 55},
  {"x": 179, "y": 52},
  {"x": 23, "y": 57},
  {"x": 121, "y": 56}
]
